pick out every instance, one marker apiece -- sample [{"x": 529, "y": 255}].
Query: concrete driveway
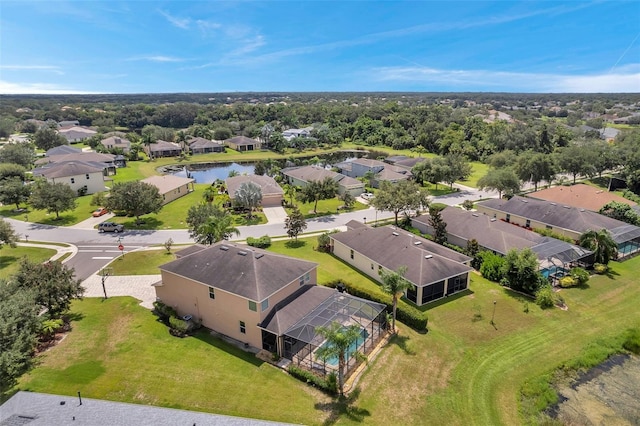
[{"x": 274, "y": 214}]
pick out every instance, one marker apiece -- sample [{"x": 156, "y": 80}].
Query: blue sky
[{"x": 184, "y": 46}]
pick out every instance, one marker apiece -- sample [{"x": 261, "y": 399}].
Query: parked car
[
  {"x": 367, "y": 195},
  {"x": 110, "y": 227},
  {"x": 99, "y": 212}
]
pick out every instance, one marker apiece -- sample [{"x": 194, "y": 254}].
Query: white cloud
[
  {"x": 9, "y": 88},
  {"x": 156, "y": 58},
  {"x": 183, "y": 23},
  {"x": 50, "y": 68},
  {"x": 624, "y": 80}
]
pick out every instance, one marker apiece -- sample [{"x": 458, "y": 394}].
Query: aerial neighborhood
[{"x": 379, "y": 249}]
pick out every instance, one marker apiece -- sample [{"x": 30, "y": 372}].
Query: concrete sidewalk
[{"x": 138, "y": 286}]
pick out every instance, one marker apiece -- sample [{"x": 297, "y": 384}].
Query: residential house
[
  {"x": 117, "y": 142},
  {"x": 297, "y": 133},
  {"x": 243, "y": 144},
  {"x": 433, "y": 270},
  {"x": 555, "y": 257},
  {"x": 264, "y": 300},
  {"x": 68, "y": 123},
  {"x": 82, "y": 177},
  {"x": 76, "y": 133},
  {"x": 272, "y": 193},
  {"x": 62, "y": 150},
  {"x": 562, "y": 219},
  {"x": 301, "y": 176},
  {"x": 105, "y": 161},
  {"x": 171, "y": 187},
  {"x": 381, "y": 171},
  {"x": 204, "y": 146},
  {"x": 580, "y": 196},
  {"x": 163, "y": 149}
]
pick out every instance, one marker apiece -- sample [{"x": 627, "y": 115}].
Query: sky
[{"x": 52, "y": 47}]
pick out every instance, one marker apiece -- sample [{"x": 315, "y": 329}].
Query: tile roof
[
  {"x": 245, "y": 271},
  {"x": 426, "y": 261},
  {"x": 554, "y": 214},
  {"x": 267, "y": 184},
  {"x": 167, "y": 183},
  {"x": 40, "y": 409},
  {"x": 580, "y": 195}
]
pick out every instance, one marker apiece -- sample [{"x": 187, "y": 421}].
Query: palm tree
[
  {"x": 339, "y": 344},
  {"x": 209, "y": 194},
  {"x": 216, "y": 228},
  {"x": 394, "y": 283},
  {"x": 290, "y": 191},
  {"x": 603, "y": 246},
  {"x": 248, "y": 195}
]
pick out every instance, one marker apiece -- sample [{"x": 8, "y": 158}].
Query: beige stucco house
[
  {"x": 171, "y": 187},
  {"x": 243, "y": 143},
  {"x": 272, "y": 193},
  {"x": 300, "y": 176},
  {"x": 82, "y": 177}
]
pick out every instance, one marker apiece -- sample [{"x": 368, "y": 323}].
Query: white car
[{"x": 367, "y": 195}]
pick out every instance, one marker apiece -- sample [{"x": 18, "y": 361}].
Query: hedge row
[
  {"x": 405, "y": 313},
  {"x": 330, "y": 384},
  {"x": 262, "y": 242}
]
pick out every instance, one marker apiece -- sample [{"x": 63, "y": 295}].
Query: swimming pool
[{"x": 333, "y": 361}]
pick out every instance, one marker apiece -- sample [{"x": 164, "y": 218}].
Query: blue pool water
[{"x": 333, "y": 361}]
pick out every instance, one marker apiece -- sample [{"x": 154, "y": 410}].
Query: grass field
[
  {"x": 10, "y": 257},
  {"x": 464, "y": 371}
]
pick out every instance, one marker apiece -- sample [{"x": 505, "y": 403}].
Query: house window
[
  {"x": 508, "y": 219},
  {"x": 379, "y": 269},
  {"x": 73, "y": 180},
  {"x": 351, "y": 254},
  {"x": 212, "y": 293},
  {"x": 264, "y": 305},
  {"x": 527, "y": 224},
  {"x": 372, "y": 266},
  {"x": 252, "y": 306},
  {"x": 302, "y": 280},
  {"x": 243, "y": 327},
  {"x": 307, "y": 277},
  {"x": 87, "y": 176}
]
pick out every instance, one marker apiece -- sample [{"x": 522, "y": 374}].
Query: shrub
[
  {"x": 632, "y": 340},
  {"x": 163, "y": 311},
  {"x": 600, "y": 269},
  {"x": 545, "y": 297},
  {"x": 467, "y": 205},
  {"x": 330, "y": 384},
  {"x": 492, "y": 266},
  {"x": 262, "y": 242},
  {"x": 324, "y": 242},
  {"x": 179, "y": 327},
  {"x": 579, "y": 275},
  {"x": 567, "y": 281},
  {"x": 406, "y": 314}
]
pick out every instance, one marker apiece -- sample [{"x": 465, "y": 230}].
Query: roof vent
[
  {"x": 566, "y": 207},
  {"x": 428, "y": 256},
  {"x": 259, "y": 255},
  {"x": 224, "y": 248},
  {"x": 395, "y": 233},
  {"x": 417, "y": 243},
  {"x": 242, "y": 253},
  {"x": 553, "y": 204}
]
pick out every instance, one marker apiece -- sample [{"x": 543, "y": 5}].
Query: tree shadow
[
  {"x": 402, "y": 343},
  {"x": 294, "y": 244},
  {"x": 146, "y": 223},
  {"x": 205, "y": 335},
  {"x": 6, "y": 261},
  {"x": 343, "y": 406},
  {"x": 63, "y": 220}
]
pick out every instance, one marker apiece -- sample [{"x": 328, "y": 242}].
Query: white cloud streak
[
  {"x": 156, "y": 58},
  {"x": 9, "y": 88},
  {"x": 183, "y": 23},
  {"x": 48, "y": 68},
  {"x": 626, "y": 79}
]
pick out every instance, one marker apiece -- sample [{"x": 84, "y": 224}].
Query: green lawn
[
  {"x": 82, "y": 211},
  {"x": 144, "y": 262},
  {"x": 326, "y": 207},
  {"x": 10, "y": 257},
  {"x": 479, "y": 170},
  {"x": 462, "y": 372}
]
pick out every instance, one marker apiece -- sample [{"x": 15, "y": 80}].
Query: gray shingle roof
[
  {"x": 160, "y": 146},
  {"x": 242, "y": 140},
  {"x": 267, "y": 184},
  {"x": 62, "y": 150},
  {"x": 426, "y": 262},
  {"x": 554, "y": 214},
  {"x": 167, "y": 183},
  {"x": 67, "y": 169},
  {"x": 39, "y": 409},
  {"x": 78, "y": 156},
  {"x": 295, "y": 307},
  {"x": 248, "y": 272}
]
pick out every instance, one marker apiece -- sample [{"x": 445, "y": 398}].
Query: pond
[{"x": 210, "y": 172}]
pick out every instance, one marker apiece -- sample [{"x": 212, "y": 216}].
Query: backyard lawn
[{"x": 10, "y": 257}]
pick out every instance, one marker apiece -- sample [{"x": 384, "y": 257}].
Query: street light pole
[{"x": 105, "y": 274}]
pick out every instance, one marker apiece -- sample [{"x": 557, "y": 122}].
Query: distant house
[
  {"x": 76, "y": 133},
  {"x": 204, "y": 146},
  {"x": 82, "y": 177},
  {"x": 301, "y": 176},
  {"x": 105, "y": 161},
  {"x": 609, "y": 133},
  {"x": 113, "y": 142},
  {"x": 381, "y": 171},
  {"x": 265, "y": 300},
  {"x": 297, "y": 133},
  {"x": 163, "y": 149},
  {"x": 62, "y": 150},
  {"x": 433, "y": 270},
  {"x": 554, "y": 256},
  {"x": 170, "y": 187},
  {"x": 272, "y": 193},
  {"x": 243, "y": 143},
  {"x": 579, "y": 195},
  {"x": 68, "y": 123},
  {"x": 562, "y": 219}
]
